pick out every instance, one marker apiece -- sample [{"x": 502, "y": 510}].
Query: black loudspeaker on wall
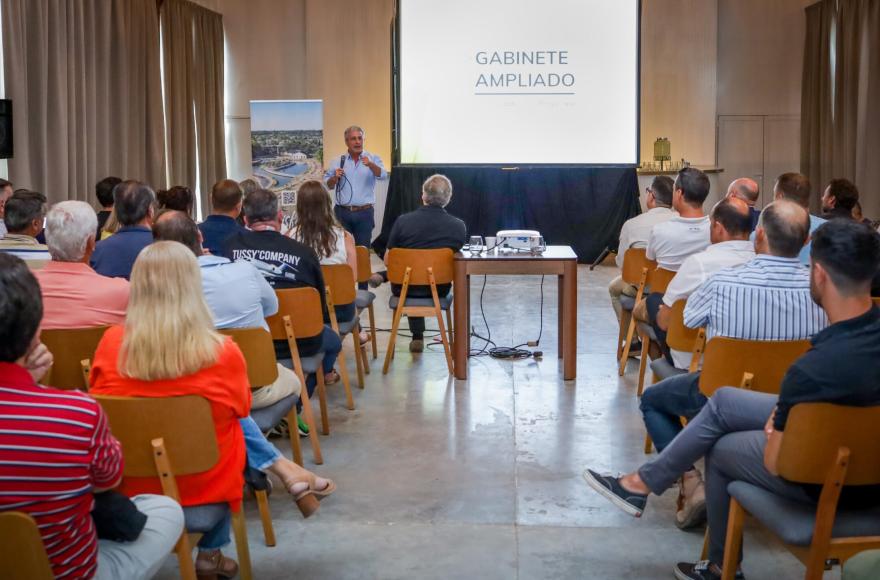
[{"x": 5, "y": 128}]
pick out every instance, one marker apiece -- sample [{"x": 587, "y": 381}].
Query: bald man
[{"x": 748, "y": 191}]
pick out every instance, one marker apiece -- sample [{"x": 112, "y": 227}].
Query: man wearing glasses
[{"x": 636, "y": 231}]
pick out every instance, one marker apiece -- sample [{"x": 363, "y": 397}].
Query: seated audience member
[
  {"x": 839, "y": 199},
  {"x": 774, "y": 291},
  {"x": 236, "y": 295},
  {"x": 23, "y": 216},
  {"x": 740, "y": 432},
  {"x": 796, "y": 187},
  {"x": 317, "y": 228},
  {"x": 178, "y": 198},
  {"x": 747, "y": 190},
  {"x": 168, "y": 348},
  {"x": 74, "y": 295},
  {"x": 133, "y": 204},
  {"x": 111, "y": 226},
  {"x": 284, "y": 263},
  {"x": 38, "y": 437},
  {"x": 687, "y": 233},
  {"x": 248, "y": 186},
  {"x": 5, "y": 193},
  {"x": 636, "y": 231},
  {"x": 226, "y": 199},
  {"x": 729, "y": 229},
  {"x": 427, "y": 228},
  {"x": 104, "y": 193}
]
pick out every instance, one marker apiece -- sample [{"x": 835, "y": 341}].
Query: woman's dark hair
[
  {"x": 178, "y": 198},
  {"x": 315, "y": 221},
  {"x": 104, "y": 190},
  {"x": 21, "y": 307}
]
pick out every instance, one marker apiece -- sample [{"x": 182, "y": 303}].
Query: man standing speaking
[{"x": 354, "y": 180}]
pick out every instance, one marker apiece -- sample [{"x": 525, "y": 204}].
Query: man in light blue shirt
[
  {"x": 237, "y": 295},
  {"x": 354, "y": 181},
  {"x": 796, "y": 187}
]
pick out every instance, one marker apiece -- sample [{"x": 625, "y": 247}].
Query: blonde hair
[
  {"x": 169, "y": 330},
  {"x": 111, "y": 226}
]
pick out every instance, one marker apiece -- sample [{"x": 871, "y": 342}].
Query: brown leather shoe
[{"x": 212, "y": 564}]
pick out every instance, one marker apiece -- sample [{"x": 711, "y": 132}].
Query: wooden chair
[
  {"x": 72, "y": 351},
  {"x": 365, "y": 297},
  {"x": 420, "y": 268},
  {"x": 827, "y": 445},
  {"x": 167, "y": 437},
  {"x": 634, "y": 272},
  {"x": 259, "y": 354},
  {"x": 658, "y": 281},
  {"x": 339, "y": 280},
  {"x": 300, "y": 316},
  {"x": 757, "y": 365},
  {"x": 876, "y": 300},
  {"x": 22, "y": 553}
]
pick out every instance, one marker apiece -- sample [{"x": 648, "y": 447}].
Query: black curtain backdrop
[{"x": 579, "y": 207}]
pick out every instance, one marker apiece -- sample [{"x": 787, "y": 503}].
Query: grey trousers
[
  {"x": 142, "y": 558},
  {"x": 729, "y": 432}
]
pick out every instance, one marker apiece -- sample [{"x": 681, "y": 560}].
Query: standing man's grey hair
[
  {"x": 69, "y": 226},
  {"x": 437, "y": 190},
  {"x": 349, "y": 130}
]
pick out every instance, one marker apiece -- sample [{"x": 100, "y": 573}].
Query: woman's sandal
[
  {"x": 332, "y": 377},
  {"x": 306, "y": 500},
  {"x": 322, "y": 493}
]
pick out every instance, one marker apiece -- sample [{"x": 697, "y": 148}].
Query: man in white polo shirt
[
  {"x": 730, "y": 225},
  {"x": 636, "y": 231},
  {"x": 672, "y": 241}
]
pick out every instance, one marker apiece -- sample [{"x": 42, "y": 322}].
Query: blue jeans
[
  {"x": 213, "y": 520},
  {"x": 345, "y": 312},
  {"x": 664, "y": 403},
  {"x": 653, "y": 303},
  {"x": 260, "y": 453},
  {"x": 360, "y": 225},
  {"x": 331, "y": 345}
]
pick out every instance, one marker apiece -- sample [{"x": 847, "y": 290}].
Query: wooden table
[{"x": 560, "y": 261}]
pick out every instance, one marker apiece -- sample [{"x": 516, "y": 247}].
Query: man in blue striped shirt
[{"x": 767, "y": 298}]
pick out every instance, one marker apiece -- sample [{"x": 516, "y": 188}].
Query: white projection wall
[{"x": 518, "y": 81}]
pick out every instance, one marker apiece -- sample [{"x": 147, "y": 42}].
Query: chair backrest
[
  {"x": 363, "y": 260},
  {"x": 303, "y": 305},
  {"x": 678, "y": 336},
  {"x": 659, "y": 279},
  {"x": 69, "y": 347},
  {"x": 340, "y": 279},
  {"x": 22, "y": 553},
  {"x": 727, "y": 359},
  {"x": 185, "y": 423},
  {"x": 876, "y": 300},
  {"x": 259, "y": 354},
  {"x": 634, "y": 261},
  {"x": 815, "y": 431},
  {"x": 440, "y": 260}
]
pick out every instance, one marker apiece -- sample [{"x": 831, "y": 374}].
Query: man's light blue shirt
[
  {"x": 358, "y": 186},
  {"x": 236, "y": 293},
  {"x": 804, "y": 256}
]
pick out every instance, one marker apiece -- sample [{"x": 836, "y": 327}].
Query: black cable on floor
[{"x": 506, "y": 352}]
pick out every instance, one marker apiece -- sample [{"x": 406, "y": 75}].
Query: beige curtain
[
  {"x": 192, "y": 38},
  {"x": 840, "y": 121},
  {"x": 84, "y": 78}
]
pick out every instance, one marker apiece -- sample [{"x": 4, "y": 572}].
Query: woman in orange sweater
[{"x": 168, "y": 347}]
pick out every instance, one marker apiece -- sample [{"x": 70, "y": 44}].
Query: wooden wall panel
[{"x": 679, "y": 58}]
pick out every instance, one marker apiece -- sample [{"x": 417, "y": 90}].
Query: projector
[{"x": 518, "y": 239}]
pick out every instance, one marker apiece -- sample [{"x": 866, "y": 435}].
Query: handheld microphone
[{"x": 339, "y": 181}]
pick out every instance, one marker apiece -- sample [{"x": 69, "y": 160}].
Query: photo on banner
[{"x": 287, "y": 146}]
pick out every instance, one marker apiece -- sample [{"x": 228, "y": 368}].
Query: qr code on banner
[{"x": 288, "y": 198}]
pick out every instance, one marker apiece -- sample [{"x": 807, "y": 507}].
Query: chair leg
[
  {"x": 372, "y": 316},
  {"x": 643, "y": 364},
  {"x": 292, "y": 428},
  {"x": 346, "y": 383},
  {"x": 621, "y": 334},
  {"x": 239, "y": 530},
  {"x": 183, "y": 549},
  {"x": 265, "y": 516},
  {"x": 358, "y": 359},
  {"x": 704, "y": 554},
  {"x": 649, "y": 444},
  {"x": 733, "y": 542},
  {"x": 365, "y": 361},
  {"x": 449, "y": 324},
  {"x": 309, "y": 416},
  {"x": 446, "y": 347},
  {"x": 626, "y": 345},
  {"x": 394, "y": 326},
  {"x": 322, "y": 400}
]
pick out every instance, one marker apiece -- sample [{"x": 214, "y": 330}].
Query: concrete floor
[{"x": 481, "y": 479}]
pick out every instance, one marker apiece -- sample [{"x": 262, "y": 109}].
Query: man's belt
[{"x": 358, "y": 207}]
